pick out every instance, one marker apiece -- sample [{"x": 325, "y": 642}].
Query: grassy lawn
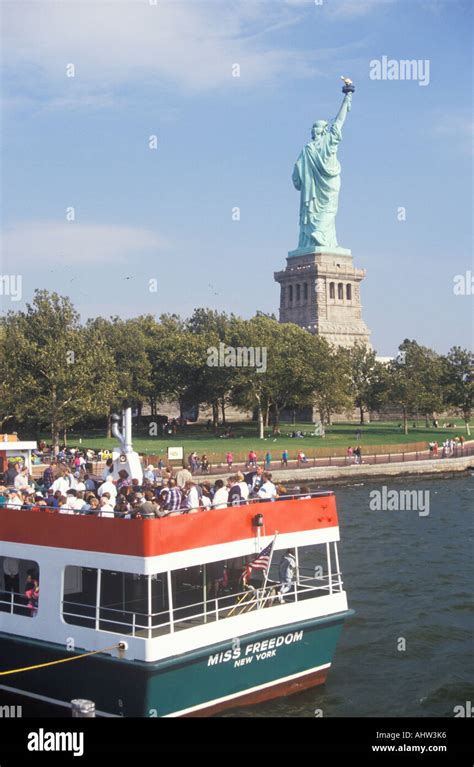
[{"x": 338, "y": 438}]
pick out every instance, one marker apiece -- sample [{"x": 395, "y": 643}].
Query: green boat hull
[{"x": 259, "y": 666}]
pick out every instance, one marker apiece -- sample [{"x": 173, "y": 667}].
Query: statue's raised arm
[
  {"x": 345, "y": 108},
  {"x": 348, "y": 89}
]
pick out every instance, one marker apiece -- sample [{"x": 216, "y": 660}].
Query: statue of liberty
[{"x": 317, "y": 175}]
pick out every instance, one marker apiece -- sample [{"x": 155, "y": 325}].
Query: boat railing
[
  {"x": 152, "y": 625},
  {"x": 65, "y": 511},
  {"x": 14, "y": 602}
]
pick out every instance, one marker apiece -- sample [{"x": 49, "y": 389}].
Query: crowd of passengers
[{"x": 65, "y": 490}]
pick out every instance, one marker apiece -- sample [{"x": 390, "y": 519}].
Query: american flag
[{"x": 261, "y": 562}]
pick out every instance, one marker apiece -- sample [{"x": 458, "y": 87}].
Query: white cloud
[
  {"x": 186, "y": 43},
  {"x": 49, "y": 244}
]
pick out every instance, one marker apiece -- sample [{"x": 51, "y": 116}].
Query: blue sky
[{"x": 165, "y": 69}]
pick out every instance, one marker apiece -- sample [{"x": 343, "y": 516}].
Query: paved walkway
[{"x": 387, "y": 464}]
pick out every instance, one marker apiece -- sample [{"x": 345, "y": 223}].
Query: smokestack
[{"x": 127, "y": 430}]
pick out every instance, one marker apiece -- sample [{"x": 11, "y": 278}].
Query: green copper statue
[{"x": 317, "y": 175}]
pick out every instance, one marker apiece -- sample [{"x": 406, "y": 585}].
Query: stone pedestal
[{"x": 320, "y": 292}]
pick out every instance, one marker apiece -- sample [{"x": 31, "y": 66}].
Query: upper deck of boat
[{"x": 174, "y": 533}]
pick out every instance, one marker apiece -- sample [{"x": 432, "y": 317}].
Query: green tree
[
  {"x": 214, "y": 382},
  {"x": 367, "y": 379},
  {"x": 414, "y": 381},
  {"x": 284, "y": 376},
  {"x": 458, "y": 382},
  {"x": 56, "y": 369},
  {"x": 129, "y": 342},
  {"x": 332, "y": 385},
  {"x": 177, "y": 357}
]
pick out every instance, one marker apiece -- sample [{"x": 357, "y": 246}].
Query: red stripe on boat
[{"x": 149, "y": 538}]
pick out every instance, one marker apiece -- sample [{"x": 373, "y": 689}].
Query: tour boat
[{"x": 175, "y": 628}]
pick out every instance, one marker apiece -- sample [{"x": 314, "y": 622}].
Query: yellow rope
[
  {"x": 238, "y": 603},
  {"x": 55, "y": 662}
]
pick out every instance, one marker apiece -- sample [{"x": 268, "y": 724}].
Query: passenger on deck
[
  {"x": 173, "y": 502},
  {"x": 106, "y": 507},
  {"x": 15, "y": 500},
  {"x": 123, "y": 480},
  {"x": 193, "y": 493},
  {"x": 254, "y": 479},
  {"x": 32, "y": 592},
  {"x": 287, "y": 571},
  {"x": 149, "y": 473},
  {"x": 268, "y": 491},
  {"x": 183, "y": 476},
  {"x": 108, "y": 471},
  {"x": 235, "y": 496},
  {"x": 11, "y": 473},
  {"x": 221, "y": 495},
  {"x": 108, "y": 487}
]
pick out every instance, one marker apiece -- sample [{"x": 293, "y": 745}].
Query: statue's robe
[{"x": 317, "y": 175}]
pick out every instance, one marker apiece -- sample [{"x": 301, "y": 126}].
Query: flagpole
[{"x": 270, "y": 562}]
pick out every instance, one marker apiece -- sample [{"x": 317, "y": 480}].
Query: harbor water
[
  {"x": 408, "y": 576},
  {"x": 407, "y": 651}
]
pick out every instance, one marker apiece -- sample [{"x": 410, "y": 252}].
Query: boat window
[
  {"x": 111, "y": 600},
  {"x": 19, "y": 586},
  {"x": 123, "y": 601},
  {"x": 80, "y": 596}
]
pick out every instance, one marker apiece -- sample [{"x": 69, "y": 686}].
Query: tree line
[{"x": 57, "y": 372}]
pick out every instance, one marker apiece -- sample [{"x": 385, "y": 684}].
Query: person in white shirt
[
  {"x": 244, "y": 488},
  {"x": 183, "y": 476},
  {"x": 268, "y": 491},
  {"x": 220, "y": 496},
  {"x": 149, "y": 473},
  {"x": 64, "y": 507},
  {"x": 106, "y": 509},
  {"x": 14, "y": 500},
  {"x": 108, "y": 487},
  {"x": 21, "y": 480},
  {"x": 107, "y": 473},
  {"x": 192, "y": 496},
  {"x": 61, "y": 484},
  {"x": 73, "y": 502}
]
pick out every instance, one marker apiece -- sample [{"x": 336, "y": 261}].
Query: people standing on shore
[{"x": 301, "y": 457}]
